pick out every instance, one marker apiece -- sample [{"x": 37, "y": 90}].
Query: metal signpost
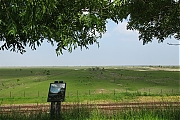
[{"x": 56, "y": 95}]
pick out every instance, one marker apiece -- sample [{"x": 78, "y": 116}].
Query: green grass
[
  {"x": 84, "y": 113},
  {"x": 30, "y": 85}
]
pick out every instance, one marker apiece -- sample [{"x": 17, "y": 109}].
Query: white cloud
[
  {"x": 118, "y": 32},
  {"x": 121, "y": 29}
]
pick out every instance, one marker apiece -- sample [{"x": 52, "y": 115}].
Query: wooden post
[
  {"x": 149, "y": 91},
  {"x": 52, "y": 109},
  {"x": 114, "y": 95},
  {"x": 58, "y": 108},
  {"x": 38, "y": 93},
  {"x": 55, "y": 109},
  {"x": 77, "y": 96}
]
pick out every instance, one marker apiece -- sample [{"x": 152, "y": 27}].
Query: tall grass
[{"x": 83, "y": 113}]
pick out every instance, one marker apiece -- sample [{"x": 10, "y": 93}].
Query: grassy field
[
  {"x": 85, "y": 114},
  {"x": 31, "y": 84}
]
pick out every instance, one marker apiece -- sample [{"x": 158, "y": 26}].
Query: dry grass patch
[{"x": 157, "y": 99}]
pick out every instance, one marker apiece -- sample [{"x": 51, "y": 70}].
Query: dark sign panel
[{"x": 56, "y": 92}]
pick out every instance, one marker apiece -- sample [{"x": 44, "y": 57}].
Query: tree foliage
[
  {"x": 78, "y": 23},
  {"x": 158, "y": 19}
]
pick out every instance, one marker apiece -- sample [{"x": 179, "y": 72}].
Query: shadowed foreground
[{"x": 146, "y": 110}]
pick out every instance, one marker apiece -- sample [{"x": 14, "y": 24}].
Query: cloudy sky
[{"x": 117, "y": 47}]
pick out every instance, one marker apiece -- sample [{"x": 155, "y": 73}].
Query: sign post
[{"x": 56, "y": 95}]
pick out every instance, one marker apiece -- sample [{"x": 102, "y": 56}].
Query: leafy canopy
[
  {"x": 158, "y": 19},
  {"x": 78, "y": 23}
]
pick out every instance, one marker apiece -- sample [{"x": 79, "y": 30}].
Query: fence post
[
  {"x": 38, "y": 93},
  {"x": 77, "y": 96},
  {"x": 24, "y": 94},
  {"x": 114, "y": 95}
]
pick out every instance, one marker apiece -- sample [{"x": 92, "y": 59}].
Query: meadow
[
  {"x": 93, "y": 85},
  {"x": 20, "y": 85}
]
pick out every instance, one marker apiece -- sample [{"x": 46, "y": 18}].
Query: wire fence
[{"x": 79, "y": 93}]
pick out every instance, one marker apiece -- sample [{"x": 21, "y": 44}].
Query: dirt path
[{"x": 25, "y": 108}]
